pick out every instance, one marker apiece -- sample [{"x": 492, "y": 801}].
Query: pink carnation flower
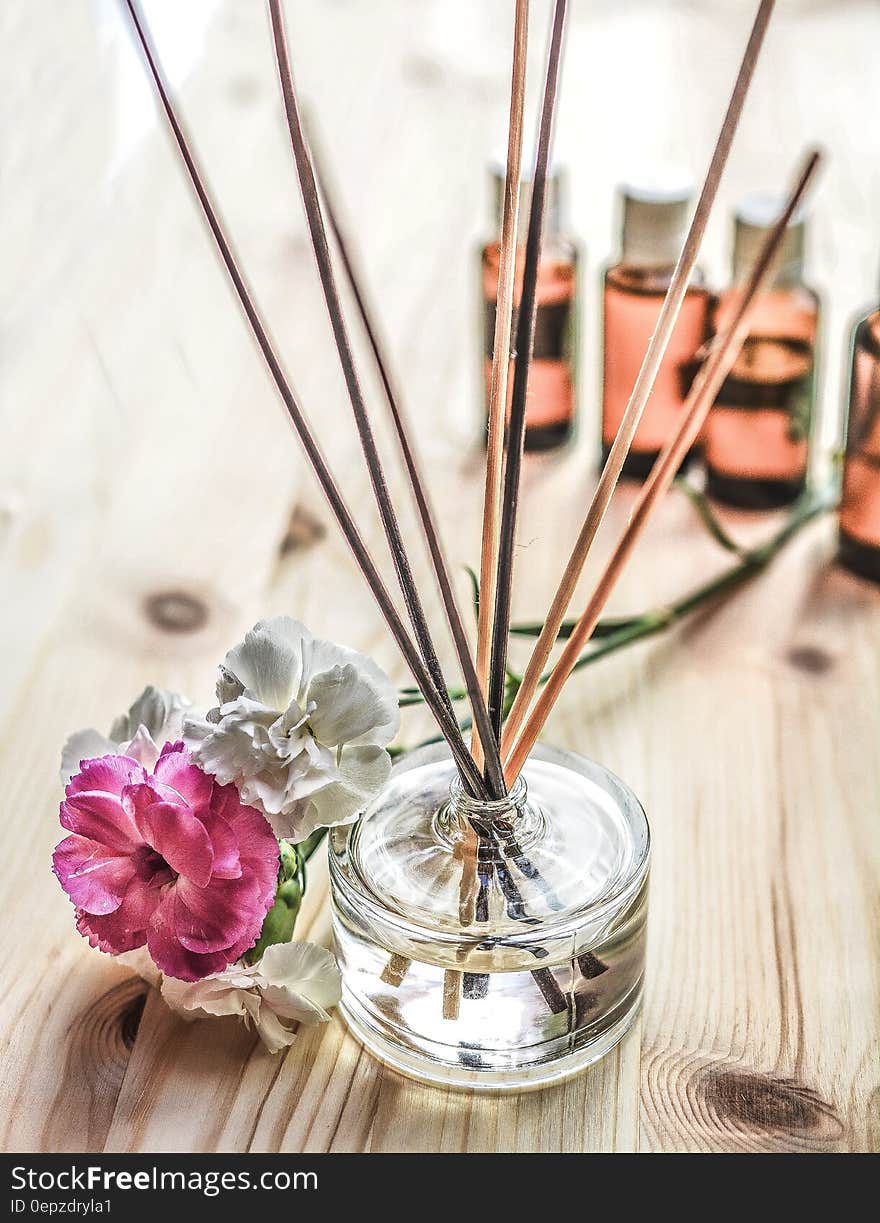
[{"x": 170, "y": 858}]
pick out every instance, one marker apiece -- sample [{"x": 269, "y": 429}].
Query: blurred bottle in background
[
  {"x": 551, "y": 402},
  {"x": 859, "y": 546},
  {"x": 756, "y": 439},
  {"x": 655, "y": 215}
]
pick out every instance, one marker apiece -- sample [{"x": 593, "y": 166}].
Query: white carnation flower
[
  {"x": 301, "y": 727},
  {"x": 154, "y": 719},
  {"x": 143, "y": 964},
  {"x": 291, "y": 983}
]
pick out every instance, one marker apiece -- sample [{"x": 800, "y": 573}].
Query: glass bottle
[
  {"x": 551, "y": 396},
  {"x": 492, "y": 944},
  {"x": 859, "y": 544},
  {"x": 756, "y": 438},
  {"x": 655, "y": 216}
]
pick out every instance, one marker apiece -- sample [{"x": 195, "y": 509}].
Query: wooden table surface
[{"x": 153, "y": 505}]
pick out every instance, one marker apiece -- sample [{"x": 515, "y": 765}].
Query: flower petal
[
  {"x": 126, "y": 928},
  {"x": 170, "y": 955},
  {"x": 140, "y": 901},
  {"x": 174, "y": 831},
  {"x": 139, "y": 962},
  {"x": 269, "y": 660},
  {"x": 350, "y": 706},
  {"x": 232, "y": 747},
  {"x": 107, "y": 934},
  {"x": 81, "y": 746},
  {"x": 156, "y": 711},
  {"x": 257, "y": 845},
  {"x": 361, "y": 773},
  {"x": 110, "y": 774},
  {"x": 175, "y": 768},
  {"x": 224, "y": 843},
  {"x": 100, "y": 817},
  {"x": 210, "y": 996},
  {"x": 93, "y": 876},
  {"x": 304, "y": 971},
  {"x": 142, "y": 748},
  {"x": 323, "y": 656},
  {"x": 218, "y": 917},
  {"x": 274, "y": 1035}
]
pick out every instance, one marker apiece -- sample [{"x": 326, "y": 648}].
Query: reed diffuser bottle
[
  {"x": 859, "y": 546},
  {"x": 552, "y": 385},
  {"x": 492, "y": 944},
  {"x": 756, "y": 439},
  {"x": 654, "y": 222}
]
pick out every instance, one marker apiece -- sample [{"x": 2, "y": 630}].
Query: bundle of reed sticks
[{"x": 500, "y": 746}]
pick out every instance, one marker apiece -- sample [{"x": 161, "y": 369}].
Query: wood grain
[{"x": 153, "y": 505}]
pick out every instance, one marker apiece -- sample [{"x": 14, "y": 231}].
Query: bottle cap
[
  {"x": 655, "y": 210},
  {"x": 556, "y": 187},
  {"x": 753, "y": 218}
]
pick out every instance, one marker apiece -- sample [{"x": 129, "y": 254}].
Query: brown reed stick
[
  {"x": 445, "y": 719},
  {"x": 641, "y": 392},
  {"x": 321, "y": 250},
  {"x": 722, "y": 354},
  {"x": 439, "y": 563},
  {"x": 501, "y": 356},
  {"x": 525, "y": 335}
]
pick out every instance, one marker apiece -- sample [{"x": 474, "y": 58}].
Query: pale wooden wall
[{"x": 147, "y": 483}]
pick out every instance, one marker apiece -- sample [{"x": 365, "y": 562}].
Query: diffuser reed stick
[
  {"x": 501, "y": 355},
  {"x": 427, "y": 517},
  {"x": 321, "y": 249},
  {"x": 708, "y": 382},
  {"x": 525, "y": 334},
  {"x": 436, "y": 701},
  {"x": 644, "y": 382}
]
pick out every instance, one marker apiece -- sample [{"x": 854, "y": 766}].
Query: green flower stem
[{"x": 606, "y": 627}]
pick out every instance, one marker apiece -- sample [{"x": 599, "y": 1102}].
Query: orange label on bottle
[
  {"x": 753, "y": 444},
  {"x": 549, "y": 392},
  {"x": 630, "y": 320}
]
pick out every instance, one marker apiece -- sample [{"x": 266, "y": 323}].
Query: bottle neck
[
  {"x": 750, "y": 234},
  {"x": 464, "y": 806},
  {"x": 789, "y": 273},
  {"x": 510, "y": 820},
  {"x": 553, "y": 206}
]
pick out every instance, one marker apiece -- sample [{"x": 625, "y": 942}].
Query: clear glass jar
[{"x": 492, "y": 944}]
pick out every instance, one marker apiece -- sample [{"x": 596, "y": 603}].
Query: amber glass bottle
[
  {"x": 859, "y": 547},
  {"x": 756, "y": 439},
  {"x": 655, "y": 217},
  {"x": 551, "y": 397}
]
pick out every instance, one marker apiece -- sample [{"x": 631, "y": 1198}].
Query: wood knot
[
  {"x": 98, "y": 1048},
  {"x": 130, "y": 1016},
  {"x": 758, "y": 1101},
  {"x": 176, "y": 611},
  {"x": 304, "y": 530},
  {"x": 810, "y": 658},
  {"x": 105, "y": 1031}
]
